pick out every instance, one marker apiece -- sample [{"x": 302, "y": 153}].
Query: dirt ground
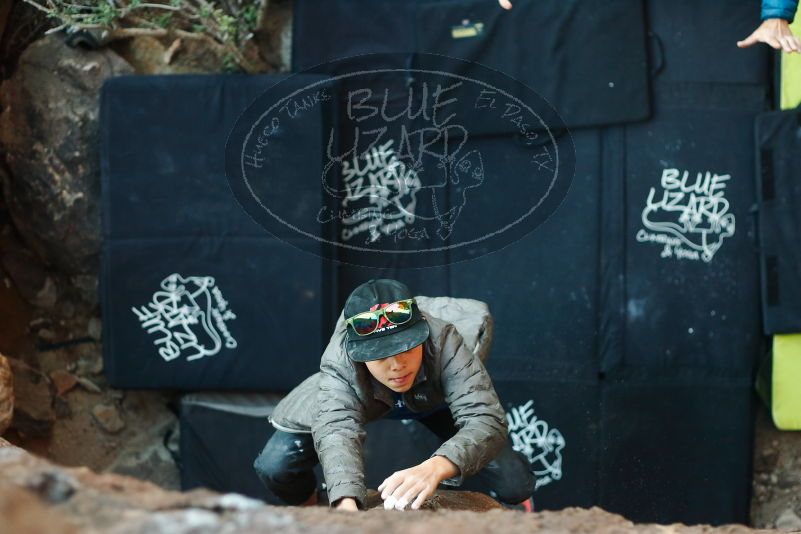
[
  {"x": 777, "y": 473},
  {"x": 71, "y": 435}
]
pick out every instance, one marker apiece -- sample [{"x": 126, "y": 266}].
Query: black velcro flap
[{"x": 778, "y": 140}]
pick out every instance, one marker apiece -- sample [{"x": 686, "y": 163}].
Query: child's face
[{"x": 402, "y": 365}]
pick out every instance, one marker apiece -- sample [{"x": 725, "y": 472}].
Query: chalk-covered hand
[
  {"x": 415, "y": 484},
  {"x": 506, "y": 4},
  {"x": 776, "y": 33}
]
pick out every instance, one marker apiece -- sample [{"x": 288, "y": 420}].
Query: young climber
[{"x": 388, "y": 359}]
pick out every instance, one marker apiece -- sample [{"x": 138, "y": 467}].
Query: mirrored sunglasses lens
[
  {"x": 399, "y": 312},
  {"x": 364, "y": 324}
]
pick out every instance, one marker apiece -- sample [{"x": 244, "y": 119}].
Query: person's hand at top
[{"x": 775, "y": 32}]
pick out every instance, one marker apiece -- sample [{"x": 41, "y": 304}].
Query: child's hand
[{"x": 413, "y": 485}]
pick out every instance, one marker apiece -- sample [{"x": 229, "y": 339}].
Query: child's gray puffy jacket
[{"x": 336, "y": 403}]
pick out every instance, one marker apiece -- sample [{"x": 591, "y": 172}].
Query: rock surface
[
  {"x": 38, "y": 496},
  {"x": 63, "y": 381},
  {"x": 6, "y": 394},
  {"x": 50, "y": 134},
  {"x": 151, "y": 55},
  {"x": 108, "y": 418},
  {"x": 776, "y": 497},
  {"x": 34, "y": 413},
  {"x": 788, "y": 521}
]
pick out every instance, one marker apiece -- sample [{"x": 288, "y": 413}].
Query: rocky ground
[
  {"x": 38, "y": 496},
  {"x": 63, "y": 408},
  {"x": 776, "y": 497}
]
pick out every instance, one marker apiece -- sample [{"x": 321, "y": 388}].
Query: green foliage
[
  {"x": 164, "y": 20},
  {"x": 250, "y": 14},
  {"x": 87, "y": 12},
  {"x": 229, "y": 63},
  {"x": 228, "y": 22},
  {"x": 227, "y": 25}
]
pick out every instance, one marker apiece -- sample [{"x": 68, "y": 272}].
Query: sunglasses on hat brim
[{"x": 398, "y": 312}]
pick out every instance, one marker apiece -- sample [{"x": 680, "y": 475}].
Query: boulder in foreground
[{"x": 37, "y": 496}]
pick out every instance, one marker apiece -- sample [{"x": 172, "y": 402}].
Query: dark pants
[{"x": 287, "y": 462}]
